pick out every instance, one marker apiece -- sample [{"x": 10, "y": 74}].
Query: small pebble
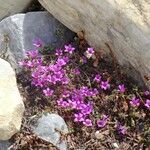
[
  {"x": 115, "y": 145},
  {"x": 98, "y": 135}
]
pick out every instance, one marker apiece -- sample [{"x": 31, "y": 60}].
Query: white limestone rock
[{"x": 11, "y": 104}]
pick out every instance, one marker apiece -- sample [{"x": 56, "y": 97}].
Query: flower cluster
[
  {"x": 135, "y": 102},
  {"x": 76, "y": 100},
  {"x": 55, "y": 75},
  {"x": 56, "y": 80},
  {"x": 103, "y": 84},
  {"x": 46, "y": 75}
]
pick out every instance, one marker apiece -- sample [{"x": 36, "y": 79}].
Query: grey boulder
[
  {"x": 18, "y": 31},
  {"x": 49, "y": 127}
]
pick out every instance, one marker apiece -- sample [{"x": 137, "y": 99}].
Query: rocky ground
[{"x": 80, "y": 136}]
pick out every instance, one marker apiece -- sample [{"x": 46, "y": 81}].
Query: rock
[
  {"x": 9, "y": 7},
  {"x": 123, "y": 24},
  {"x": 101, "y": 134},
  {"x": 4, "y": 145},
  {"x": 17, "y": 33},
  {"x": 46, "y": 126},
  {"x": 115, "y": 145},
  {"x": 11, "y": 104}
]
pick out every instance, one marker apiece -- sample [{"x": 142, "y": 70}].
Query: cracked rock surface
[{"x": 123, "y": 24}]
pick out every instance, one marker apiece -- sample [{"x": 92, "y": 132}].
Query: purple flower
[
  {"x": 65, "y": 94},
  {"x": 59, "y": 52},
  {"x": 22, "y": 63},
  {"x": 60, "y": 62},
  {"x": 35, "y": 74},
  {"x": 59, "y": 73},
  {"x": 69, "y": 49},
  {"x": 30, "y": 64},
  {"x": 54, "y": 68},
  {"x": 42, "y": 69},
  {"x": 38, "y": 82},
  {"x": 51, "y": 79},
  {"x": 32, "y": 53},
  {"x": 77, "y": 104},
  {"x": 57, "y": 77},
  {"x": 147, "y": 104},
  {"x": 48, "y": 92},
  {"x": 38, "y": 43},
  {"x": 121, "y": 129},
  {"x": 89, "y": 52},
  {"x": 97, "y": 78},
  {"x": 105, "y": 85},
  {"x": 84, "y": 91},
  {"x": 76, "y": 71},
  {"x": 87, "y": 122},
  {"x": 102, "y": 122},
  {"x": 60, "y": 102},
  {"x": 66, "y": 59},
  {"x": 78, "y": 117},
  {"x": 72, "y": 104},
  {"x": 135, "y": 102},
  {"x": 37, "y": 62},
  {"x": 147, "y": 93},
  {"x": 121, "y": 88},
  {"x": 86, "y": 109},
  {"x": 65, "y": 104},
  {"x": 65, "y": 80}
]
